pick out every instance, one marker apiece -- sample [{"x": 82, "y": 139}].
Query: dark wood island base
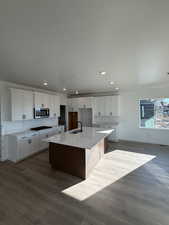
[{"x": 76, "y": 161}]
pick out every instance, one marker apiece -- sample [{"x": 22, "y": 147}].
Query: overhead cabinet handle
[
  {"x": 23, "y": 116},
  {"x": 29, "y": 141}
]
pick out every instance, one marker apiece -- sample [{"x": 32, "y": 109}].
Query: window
[{"x": 154, "y": 113}]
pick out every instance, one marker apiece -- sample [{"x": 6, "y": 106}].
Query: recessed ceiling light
[
  {"x": 64, "y": 89},
  {"x": 111, "y": 82},
  {"x": 76, "y": 92},
  {"x": 45, "y": 83},
  {"x": 117, "y": 88},
  {"x": 102, "y": 73}
]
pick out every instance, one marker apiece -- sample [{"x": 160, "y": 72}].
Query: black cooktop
[{"x": 40, "y": 128}]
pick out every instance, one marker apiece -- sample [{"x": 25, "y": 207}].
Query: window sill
[{"x": 166, "y": 129}]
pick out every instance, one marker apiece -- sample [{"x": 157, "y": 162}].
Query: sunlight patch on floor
[{"x": 111, "y": 168}]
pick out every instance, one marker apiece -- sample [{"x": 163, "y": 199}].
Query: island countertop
[{"x": 86, "y": 139}]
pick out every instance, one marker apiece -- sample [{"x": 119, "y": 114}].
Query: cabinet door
[
  {"x": 39, "y": 100},
  {"x": 94, "y": 107},
  {"x": 100, "y": 106},
  {"x": 35, "y": 143},
  {"x": 46, "y": 101},
  {"x": 80, "y": 102},
  {"x": 75, "y": 104},
  {"x": 54, "y": 106},
  {"x": 57, "y": 105},
  {"x": 108, "y": 105},
  {"x": 22, "y": 104},
  {"x": 43, "y": 144},
  {"x": 89, "y": 101},
  {"x": 28, "y": 105},
  {"x": 24, "y": 148},
  {"x": 115, "y": 106},
  {"x": 112, "y": 105},
  {"x": 17, "y": 104},
  {"x": 53, "y": 132}
]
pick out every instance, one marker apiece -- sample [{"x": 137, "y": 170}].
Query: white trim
[{"x": 150, "y": 128}]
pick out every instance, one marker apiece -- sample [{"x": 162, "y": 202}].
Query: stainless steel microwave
[{"x": 41, "y": 113}]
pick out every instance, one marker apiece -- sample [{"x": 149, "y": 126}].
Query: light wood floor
[{"x": 130, "y": 186}]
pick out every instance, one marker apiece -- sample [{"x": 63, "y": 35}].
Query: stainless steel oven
[{"x": 41, "y": 113}]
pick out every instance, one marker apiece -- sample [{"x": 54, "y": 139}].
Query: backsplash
[
  {"x": 9, "y": 127},
  {"x": 112, "y": 120}
]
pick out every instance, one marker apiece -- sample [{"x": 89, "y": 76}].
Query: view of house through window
[{"x": 154, "y": 113}]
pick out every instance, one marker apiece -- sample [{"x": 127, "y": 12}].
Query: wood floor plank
[{"x": 130, "y": 186}]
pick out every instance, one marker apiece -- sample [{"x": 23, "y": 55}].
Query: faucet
[{"x": 81, "y": 126}]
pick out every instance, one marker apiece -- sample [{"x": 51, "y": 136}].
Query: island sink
[
  {"x": 78, "y": 154},
  {"x": 76, "y": 132}
]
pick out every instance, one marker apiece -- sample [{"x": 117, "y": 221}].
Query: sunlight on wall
[{"x": 114, "y": 166}]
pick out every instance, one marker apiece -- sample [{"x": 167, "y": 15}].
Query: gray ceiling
[{"x": 66, "y": 42}]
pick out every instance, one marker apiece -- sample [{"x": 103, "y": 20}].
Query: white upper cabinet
[
  {"x": 28, "y": 105},
  {"x": 42, "y": 100},
  {"x": 63, "y": 99},
  {"x": 85, "y": 102},
  {"x": 114, "y": 106},
  {"x": 22, "y": 104},
  {"x": 73, "y": 104},
  {"x": 54, "y": 106},
  {"x": 99, "y": 106},
  {"x": 38, "y": 100},
  {"x": 76, "y": 103},
  {"x": 17, "y": 104},
  {"x": 106, "y": 106}
]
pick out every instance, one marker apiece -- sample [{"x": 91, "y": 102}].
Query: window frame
[{"x": 150, "y": 128}]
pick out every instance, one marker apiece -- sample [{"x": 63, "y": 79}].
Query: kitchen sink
[{"x": 76, "y": 132}]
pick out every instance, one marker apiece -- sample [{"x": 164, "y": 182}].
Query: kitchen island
[{"x": 76, "y": 152}]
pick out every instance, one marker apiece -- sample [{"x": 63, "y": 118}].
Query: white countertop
[
  {"x": 28, "y": 133},
  {"x": 87, "y": 139}
]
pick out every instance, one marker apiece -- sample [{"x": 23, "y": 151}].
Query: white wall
[{"x": 129, "y": 117}]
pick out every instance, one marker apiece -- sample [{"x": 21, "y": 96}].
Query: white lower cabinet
[
  {"x": 24, "y": 145},
  {"x": 42, "y": 144},
  {"x": 27, "y": 146}
]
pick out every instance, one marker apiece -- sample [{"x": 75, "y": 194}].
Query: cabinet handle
[
  {"x": 23, "y": 116},
  {"x": 47, "y": 135},
  {"x": 23, "y": 137},
  {"x": 29, "y": 141}
]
